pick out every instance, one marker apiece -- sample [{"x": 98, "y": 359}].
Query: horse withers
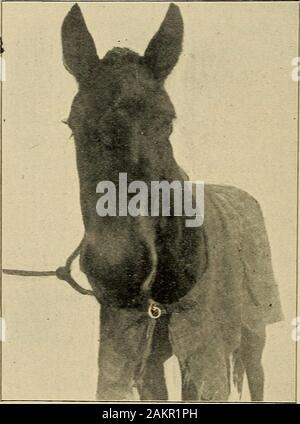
[{"x": 214, "y": 309}]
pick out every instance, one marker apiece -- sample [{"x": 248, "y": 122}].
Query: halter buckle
[{"x": 154, "y": 311}]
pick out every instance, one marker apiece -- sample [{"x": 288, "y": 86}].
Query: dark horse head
[{"x": 121, "y": 119}]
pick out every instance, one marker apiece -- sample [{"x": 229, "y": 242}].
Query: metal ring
[{"x": 154, "y": 311}]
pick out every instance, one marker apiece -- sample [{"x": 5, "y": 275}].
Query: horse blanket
[{"x": 237, "y": 290}]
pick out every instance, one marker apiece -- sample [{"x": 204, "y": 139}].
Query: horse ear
[
  {"x": 164, "y": 49},
  {"x": 79, "y": 51}
]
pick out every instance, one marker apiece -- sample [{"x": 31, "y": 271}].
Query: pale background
[{"x": 237, "y": 124}]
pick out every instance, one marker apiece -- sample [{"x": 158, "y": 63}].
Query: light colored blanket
[{"x": 237, "y": 290}]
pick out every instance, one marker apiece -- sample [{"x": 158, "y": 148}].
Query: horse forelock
[{"x": 120, "y": 55}]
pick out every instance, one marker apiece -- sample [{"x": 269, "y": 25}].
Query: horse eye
[
  {"x": 141, "y": 105},
  {"x": 94, "y": 136},
  {"x": 107, "y": 143},
  {"x": 97, "y": 137}
]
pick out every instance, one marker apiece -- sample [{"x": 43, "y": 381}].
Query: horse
[{"x": 121, "y": 120}]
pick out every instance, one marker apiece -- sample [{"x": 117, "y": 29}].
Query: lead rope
[{"x": 62, "y": 273}]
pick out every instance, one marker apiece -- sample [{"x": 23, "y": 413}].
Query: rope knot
[{"x": 62, "y": 273}]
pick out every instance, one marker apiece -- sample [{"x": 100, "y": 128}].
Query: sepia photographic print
[{"x": 149, "y": 201}]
